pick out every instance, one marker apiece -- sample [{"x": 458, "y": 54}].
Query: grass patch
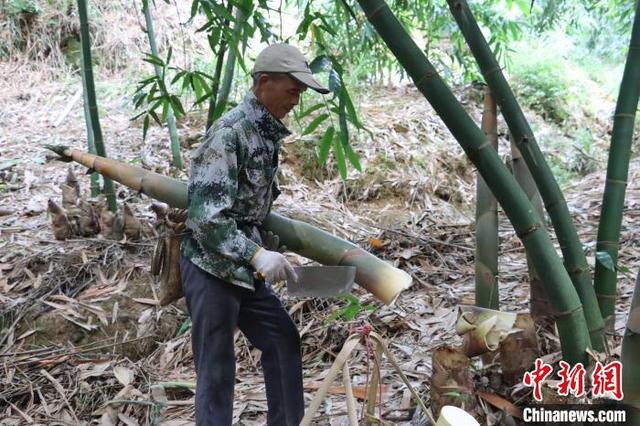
[{"x": 542, "y": 85}]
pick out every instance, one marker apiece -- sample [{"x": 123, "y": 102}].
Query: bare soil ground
[{"x": 83, "y": 338}]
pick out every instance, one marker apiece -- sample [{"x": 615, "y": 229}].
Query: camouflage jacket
[{"x": 231, "y": 189}]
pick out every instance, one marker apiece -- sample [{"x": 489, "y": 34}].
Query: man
[{"x": 231, "y": 190}]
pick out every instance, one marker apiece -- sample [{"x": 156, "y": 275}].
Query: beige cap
[{"x": 287, "y": 59}]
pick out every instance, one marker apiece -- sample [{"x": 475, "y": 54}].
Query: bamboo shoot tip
[{"x": 61, "y": 150}]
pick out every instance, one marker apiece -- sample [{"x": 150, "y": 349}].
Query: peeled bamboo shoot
[{"x": 378, "y": 277}]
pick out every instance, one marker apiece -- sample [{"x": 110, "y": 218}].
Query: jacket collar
[{"x": 267, "y": 125}]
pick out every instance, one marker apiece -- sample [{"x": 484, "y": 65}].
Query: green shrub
[
  {"x": 15, "y": 7},
  {"x": 542, "y": 85}
]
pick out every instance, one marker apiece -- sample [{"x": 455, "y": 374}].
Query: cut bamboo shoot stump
[
  {"x": 454, "y": 416},
  {"x": 483, "y": 329},
  {"x": 132, "y": 226},
  {"x": 519, "y": 350},
  {"x": 62, "y": 228},
  {"x": 451, "y": 381},
  {"x": 106, "y": 221},
  {"x": 70, "y": 190}
]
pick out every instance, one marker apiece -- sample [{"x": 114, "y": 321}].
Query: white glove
[{"x": 273, "y": 266}]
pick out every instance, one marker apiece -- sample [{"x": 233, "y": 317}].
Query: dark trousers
[{"x": 216, "y": 308}]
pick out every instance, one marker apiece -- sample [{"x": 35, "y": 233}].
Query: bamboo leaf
[
  {"x": 166, "y": 104},
  {"x": 138, "y": 116},
  {"x": 213, "y": 38},
  {"x": 202, "y": 98},
  {"x": 204, "y": 75},
  {"x": 178, "y": 76},
  {"x": 310, "y": 110},
  {"x": 194, "y": 9},
  {"x": 177, "y": 105},
  {"x": 138, "y": 99},
  {"x": 327, "y": 27},
  {"x": 319, "y": 63},
  {"x": 605, "y": 260},
  {"x": 186, "y": 82},
  {"x": 186, "y": 325},
  {"x": 335, "y": 82},
  {"x": 152, "y": 59},
  {"x": 146, "y": 81},
  {"x": 303, "y": 28},
  {"x": 325, "y": 144},
  {"x": 344, "y": 131},
  {"x": 339, "y": 154},
  {"x": 315, "y": 123},
  {"x": 352, "y": 156},
  {"x": 145, "y": 127},
  {"x": 155, "y": 117},
  {"x": 222, "y": 12},
  {"x": 198, "y": 84},
  {"x": 351, "y": 110}
]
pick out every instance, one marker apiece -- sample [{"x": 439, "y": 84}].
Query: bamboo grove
[{"x": 562, "y": 289}]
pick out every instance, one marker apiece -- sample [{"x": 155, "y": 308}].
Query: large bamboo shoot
[{"x": 378, "y": 277}]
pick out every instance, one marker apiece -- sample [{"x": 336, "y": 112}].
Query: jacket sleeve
[{"x": 213, "y": 188}]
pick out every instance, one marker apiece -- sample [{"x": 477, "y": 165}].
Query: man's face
[{"x": 279, "y": 93}]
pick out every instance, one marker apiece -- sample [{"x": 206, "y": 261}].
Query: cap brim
[{"x": 308, "y": 80}]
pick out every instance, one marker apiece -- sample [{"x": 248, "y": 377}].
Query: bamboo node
[
  {"x": 376, "y": 10},
  {"x": 495, "y": 70},
  {"x": 621, "y": 182},
  {"x": 624, "y": 115},
  {"x": 606, "y": 296},
  {"x": 607, "y": 243},
  {"x": 483, "y": 146},
  {"x": 557, "y": 315},
  {"x": 427, "y": 76},
  {"x": 528, "y": 231},
  {"x": 576, "y": 271}
]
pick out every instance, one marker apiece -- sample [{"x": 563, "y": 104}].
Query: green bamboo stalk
[
  {"x": 215, "y": 85},
  {"x": 86, "y": 63},
  {"x": 630, "y": 351},
  {"x": 572, "y": 327},
  {"x": 229, "y": 67},
  {"x": 91, "y": 146},
  {"x": 575, "y": 260},
  {"x": 539, "y": 303},
  {"x": 171, "y": 119},
  {"x": 617, "y": 174},
  {"x": 487, "y": 295}
]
